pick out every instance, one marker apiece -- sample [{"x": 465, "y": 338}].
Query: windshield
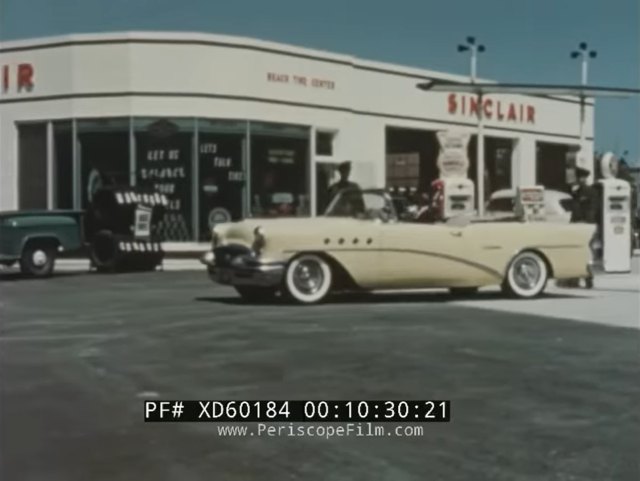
[{"x": 361, "y": 204}]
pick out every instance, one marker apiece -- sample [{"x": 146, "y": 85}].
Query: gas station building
[{"x": 218, "y": 122}]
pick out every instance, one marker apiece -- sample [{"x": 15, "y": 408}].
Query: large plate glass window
[
  {"x": 103, "y": 154},
  {"x": 164, "y": 150},
  {"x": 63, "y": 164},
  {"x": 221, "y": 173},
  {"x": 32, "y": 166},
  {"x": 411, "y": 158},
  {"x": 555, "y": 165},
  {"x": 279, "y": 170},
  {"x": 498, "y": 153}
]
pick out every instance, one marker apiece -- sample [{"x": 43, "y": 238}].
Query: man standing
[
  {"x": 344, "y": 183},
  {"x": 585, "y": 208},
  {"x": 584, "y": 199}
]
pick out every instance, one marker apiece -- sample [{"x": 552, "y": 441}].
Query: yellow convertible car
[{"x": 361, "y": 244}]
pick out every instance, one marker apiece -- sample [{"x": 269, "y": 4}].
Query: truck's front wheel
[{"x": 38, "y": 260}]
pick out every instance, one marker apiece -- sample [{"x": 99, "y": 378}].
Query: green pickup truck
[{"x": 34, "y": 238}]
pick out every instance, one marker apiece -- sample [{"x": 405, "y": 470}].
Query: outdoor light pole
[
  {"x": 584, "y": 54},
  {"x": 472, "y": 47}
]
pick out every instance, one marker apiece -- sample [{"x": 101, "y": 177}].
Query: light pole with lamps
[
  {"x": 585, "y": 54},
  {"x": 474, "y": 48}
]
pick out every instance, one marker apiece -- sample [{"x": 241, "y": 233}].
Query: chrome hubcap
[
  {"x": 526, "y": 273},
  {"x": 39, "y": 258},
  {"x": 308, "y": 277}
]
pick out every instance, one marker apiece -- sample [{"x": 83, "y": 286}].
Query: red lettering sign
[
  {"x": 453, "y": 105},
  {"x": 25, "y": 77},
  {"x": 512, "y": 112},
  {"x": 531, "y": 114},
  {"x": 301, "y": 80},
  {"x": 487, "y": 107},
  {"x": 17, "y": 77},
  {"x": 5, "y": 78}
]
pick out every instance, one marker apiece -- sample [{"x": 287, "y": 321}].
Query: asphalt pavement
[{"x": 534, "y": 396}]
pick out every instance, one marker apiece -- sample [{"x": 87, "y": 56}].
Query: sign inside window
[
  {"x": 164, "y": 163},
  {"x": 142, "y": 228}
]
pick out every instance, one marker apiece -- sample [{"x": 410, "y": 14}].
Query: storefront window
[
  {"x": 221, "y": 173},
  {"x": 555, "y": 165},
  {"x": 411, "y": 158},
  {"x": 497, "y": 164},
  {"x": 63, "y": 164},
  {"x": 32, "y": 165},
  {"x": 279, "y": 170},
  {"x": 324, "y": 143},
  {"x": 164, "y": 149},
  {"x": 103, "y": 153}
]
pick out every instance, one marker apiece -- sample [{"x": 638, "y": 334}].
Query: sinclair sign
[
  {"x": 503, "y": 111},
  {"x": 17, "y": 78}
]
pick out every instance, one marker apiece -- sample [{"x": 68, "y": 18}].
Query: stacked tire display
[{"x": 111, "y": 230}]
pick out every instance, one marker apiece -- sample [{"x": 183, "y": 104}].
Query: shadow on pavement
[
  {"x": 17, "y": 276},
  {"x": 382, "y": 298}
]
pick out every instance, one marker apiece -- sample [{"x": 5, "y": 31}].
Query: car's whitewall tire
[
  {"x": 527, "y": 275},
  {"x": 308, "y": 279}
]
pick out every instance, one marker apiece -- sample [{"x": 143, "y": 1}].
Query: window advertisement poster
[
  {"x": 163, "y": 162},
  {"x": 222, "y": 180}
]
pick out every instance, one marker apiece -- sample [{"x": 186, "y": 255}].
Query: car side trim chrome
[
  {"x": 558, "y": 246},
  {"x": 460, "y": 260}
]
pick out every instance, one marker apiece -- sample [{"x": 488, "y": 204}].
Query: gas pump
[
  {"x": 615, "y": 218},
  {"x": 530, "y": 205},
  {"x": 454, "y": 191},
  {"x": 458, "y": 196}
]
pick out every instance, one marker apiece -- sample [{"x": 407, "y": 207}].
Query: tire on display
[
  {"x": 308, "y": 279},
  {"x": 526, "y": 276},
  {"x": 38, "y": 259},
  {"x": 256, "y": 293},
  {"x": 104, "y": 252}
]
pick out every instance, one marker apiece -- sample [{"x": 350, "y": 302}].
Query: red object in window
[{"x": 437, "y": 198}]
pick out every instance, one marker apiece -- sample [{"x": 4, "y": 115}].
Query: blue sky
[{"x": 527, "y": 40}]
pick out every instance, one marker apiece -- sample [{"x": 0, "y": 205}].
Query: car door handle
[{"x": 456, "y": 233}]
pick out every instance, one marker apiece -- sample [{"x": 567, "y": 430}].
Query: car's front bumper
[{"x": 244, "y": 270}]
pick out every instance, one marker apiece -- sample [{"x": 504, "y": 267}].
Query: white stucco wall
[{"x": 193, "y": 75}]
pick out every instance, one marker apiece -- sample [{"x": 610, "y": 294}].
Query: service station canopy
[{"x": 582, "y": 91}]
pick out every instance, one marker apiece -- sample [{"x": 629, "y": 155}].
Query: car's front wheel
[
  {"x": 38, "y": 260},
  {"x": 308, "y": 279},
  {"x": 527, "y": 276}
]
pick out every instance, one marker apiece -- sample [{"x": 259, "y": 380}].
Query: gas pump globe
[{"x": 615, "y": 219}]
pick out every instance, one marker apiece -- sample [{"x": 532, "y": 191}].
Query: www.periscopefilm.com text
[{"x": 320, "y": 430}]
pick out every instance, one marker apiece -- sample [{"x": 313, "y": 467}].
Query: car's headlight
[
  {"x": 259, "y": 239},
  {"x": 215, "y": 238}
]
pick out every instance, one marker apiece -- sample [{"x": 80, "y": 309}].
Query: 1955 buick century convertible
[{"x": 361, "y": 244}]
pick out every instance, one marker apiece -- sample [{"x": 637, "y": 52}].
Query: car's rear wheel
[
  {"x": 308, "y": 279},
  {"x": 463, "y": 291},
  {"x": 527, "y": 276},
  {"x": 256, "y": 293}
]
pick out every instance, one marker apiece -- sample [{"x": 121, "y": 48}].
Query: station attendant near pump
[
  {"x": 584, "y": 209},
  {"x": 344, "y": 183}
]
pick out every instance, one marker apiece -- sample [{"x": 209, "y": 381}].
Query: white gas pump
[
  {"x": 457, "y": 197},
  {"x": 457, "y": 190},
  {"x": 616, "y": 217},
  {"x": 530, "y": 205}
]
